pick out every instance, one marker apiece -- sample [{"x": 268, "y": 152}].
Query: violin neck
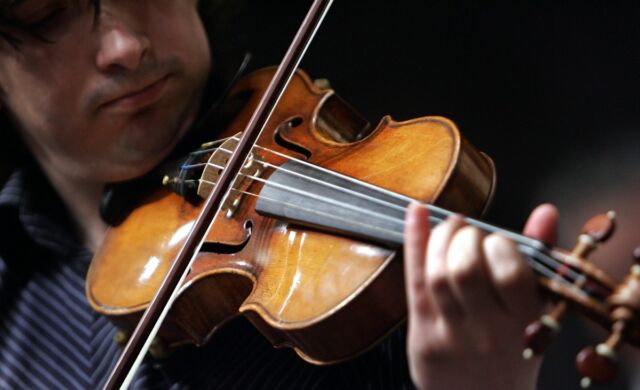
[
  {"x": 313, "y": 196},
  {"x": 322, "y": 199}
]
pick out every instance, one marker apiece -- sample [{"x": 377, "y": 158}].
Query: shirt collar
[{"x": 38, "y": 211}]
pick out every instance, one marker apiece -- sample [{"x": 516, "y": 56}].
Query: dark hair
[
  {"x": 7, "y": 18},
  {"x": 209, "y": 9}
]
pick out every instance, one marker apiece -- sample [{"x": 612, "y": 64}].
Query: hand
[{"x": 470, "y": 296}]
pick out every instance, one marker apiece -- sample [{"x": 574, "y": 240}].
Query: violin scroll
[
  {"x": 614, "y": 306},
  {"x": 599, "y": 364},
  {"x": 539, "y": 334}
]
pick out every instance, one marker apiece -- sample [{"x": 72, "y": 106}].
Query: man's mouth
[{"x": 141, "y": 97}]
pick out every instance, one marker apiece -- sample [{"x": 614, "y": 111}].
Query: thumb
[{"x": 543, "y": 224}]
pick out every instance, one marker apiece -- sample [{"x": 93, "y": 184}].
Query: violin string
[
  {"x": 542, "y": 267},
  {"x": 318, "y": 197},
  {"x": 554, "y": 263},
  {"x": 532, "y": 253},
  {"x": 333, "y": 173},
  {"x": 331, "y": 185},
  {"x": 321, "y": 213},
  {"x": 536, "y": 245},
  {"x": 548, "y": 260},
  {"x": 432, "y": 208}
]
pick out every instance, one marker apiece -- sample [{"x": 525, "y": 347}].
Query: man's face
[{"x": 105, "y": 96}]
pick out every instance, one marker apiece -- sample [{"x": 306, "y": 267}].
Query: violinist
[{"x": 97, "y": 92}]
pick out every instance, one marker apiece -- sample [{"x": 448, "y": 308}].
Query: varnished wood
[
  {"x": 326, "y": 296},
  {"x": 302, "y": 288}
]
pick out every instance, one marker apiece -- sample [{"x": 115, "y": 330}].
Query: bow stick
[{"x": 158, "y": 309}]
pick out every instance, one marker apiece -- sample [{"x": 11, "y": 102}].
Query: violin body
[{"x": 327, "y": 295}]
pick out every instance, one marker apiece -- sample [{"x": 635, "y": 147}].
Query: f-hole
[
  {"x": 227, "y": 249},
  {"x": 288, "y": 125}
]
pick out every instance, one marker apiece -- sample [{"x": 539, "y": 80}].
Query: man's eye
[
  {"x": 43, "y": 17},
  {"x": 48, "y": 20}
]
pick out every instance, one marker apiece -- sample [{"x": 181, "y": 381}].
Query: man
[{"x": 101, "y": 92}]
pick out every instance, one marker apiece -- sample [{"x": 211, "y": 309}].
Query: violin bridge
[{"x": 251, "y": 170}]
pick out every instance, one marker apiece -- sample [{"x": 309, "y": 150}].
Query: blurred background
[{"x": 549, "y": 90}]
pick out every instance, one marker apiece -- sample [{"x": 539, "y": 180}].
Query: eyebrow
[{"x": 8, "y": 19}]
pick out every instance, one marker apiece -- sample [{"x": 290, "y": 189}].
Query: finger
[
  {"x": 469, "y": 277},
  {"x": 543, "y": 224},
  {"x": 513, "y": 279},
  {"x": 416, "y": 235},
  {"x": 437, "y": 270}
]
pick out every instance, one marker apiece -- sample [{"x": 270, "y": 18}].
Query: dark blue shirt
[{"x": 50, "y": 337}]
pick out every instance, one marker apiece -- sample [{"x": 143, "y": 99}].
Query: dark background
[
  {"x": 525, "y": 83},
  {"x": 529, "y": 84}
]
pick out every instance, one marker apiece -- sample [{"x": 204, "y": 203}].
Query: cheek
[
  {"x": 32, "y": 105},
  {"x": 184, "y": 35},
  {"x": 38, "y": 79}
]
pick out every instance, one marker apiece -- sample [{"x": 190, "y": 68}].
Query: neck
[
  {"x": 313, "y": 196},
  {"x": 82, "y": 198}
]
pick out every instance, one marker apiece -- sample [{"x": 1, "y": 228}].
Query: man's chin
[
  {"x": 153, "y": 131},
  {"x": 141, "y": 153},
  {"x": 130, "y": 168},
  {"x": 150, "y": 136}
]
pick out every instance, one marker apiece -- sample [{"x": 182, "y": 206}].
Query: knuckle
[
  {"x": 515, "y": 276},
  {"x": 421, "y": 307},
  {"x": 438, "y": 232},
  {"x": 432, "y": 351},
  {"x": 507, "y": 265},
  {"x": 417, "y": 284},
  {"x": 468, "y": 234},
  {"x": 466, "y": 257},
  {"x": 495, "y": 240},
  {"x": 439, "y": 282},
  {"x": 437, "y": 346},
  {"x": 465, "y": 272}
]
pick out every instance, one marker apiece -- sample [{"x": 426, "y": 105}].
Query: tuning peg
[
  {"x": 539, "y": 334},
  {"x": 635, "y": 268},
  {"x": 600, "y": 364},
  {"x": 600, "y": 227},
  {"x": 597, "y": 365},
  {"x": 597, "y": 230}
]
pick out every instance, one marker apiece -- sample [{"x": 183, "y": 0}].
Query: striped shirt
[{"x": 50, "y": 337}]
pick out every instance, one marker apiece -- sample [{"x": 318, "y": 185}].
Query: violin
[
  {"x": 306, "y": 244},
  {"x": 272, "y": 252}
]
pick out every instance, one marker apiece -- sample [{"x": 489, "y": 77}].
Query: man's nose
[{"x": 121, "y": 48}]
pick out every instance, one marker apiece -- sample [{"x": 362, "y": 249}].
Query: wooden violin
[
  {"x": 305, "y": 242},
  {"x": 306, "y": 245}
]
